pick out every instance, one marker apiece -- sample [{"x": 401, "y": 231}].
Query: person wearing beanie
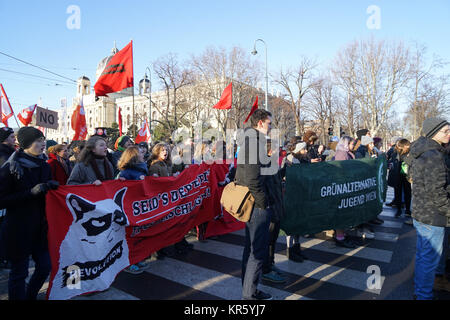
[
  {"x": 26, "y": 178},
  {"x": 122, "y": 143},
  {"x": 7, "y": 144},
  {"x": 431, "y": 206},
  {"x": 366, "y": 148}
]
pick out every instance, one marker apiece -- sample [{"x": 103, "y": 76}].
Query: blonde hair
[{"x": 129, "y": 158}]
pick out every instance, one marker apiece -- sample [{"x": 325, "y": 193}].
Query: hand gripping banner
[{"x": 97, "y": 231}]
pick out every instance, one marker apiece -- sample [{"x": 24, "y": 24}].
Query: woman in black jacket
[{"x": 26, "y": 178}]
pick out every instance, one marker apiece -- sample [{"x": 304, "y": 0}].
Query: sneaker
[
  {"x": 409, "y": 221},
  {"x": 259, "y": 295},
  {"x": 398, "y": 214},
  {"x": 273, "y": 277},
  {"x": 346, "y": 243},
  {"x": 134, "y": 269},
  {"x": 365, "y": 233}
]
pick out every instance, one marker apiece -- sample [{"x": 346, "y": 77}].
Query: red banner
[{"x": 97, "y": 231}]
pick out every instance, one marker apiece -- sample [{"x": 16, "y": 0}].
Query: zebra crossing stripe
[
  {"x": 309, "y": 269},
  {"x": 328, "y": 246},
  {"x": 209, "y": 281}
]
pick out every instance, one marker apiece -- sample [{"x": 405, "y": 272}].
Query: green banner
[{"x": 333, "y": 195}]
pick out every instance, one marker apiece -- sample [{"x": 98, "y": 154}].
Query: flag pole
[{"x": 134, "y": 114}]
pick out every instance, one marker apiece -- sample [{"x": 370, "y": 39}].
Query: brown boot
[{"x": 441, "y": 283}]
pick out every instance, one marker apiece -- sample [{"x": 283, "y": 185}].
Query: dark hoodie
[{"x": 429, "y": 174}]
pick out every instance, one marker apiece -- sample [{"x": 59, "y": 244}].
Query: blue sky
[{"x": 36, "y": 31}]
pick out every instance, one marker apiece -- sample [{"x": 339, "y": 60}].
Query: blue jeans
[
  {"x": 430, "y": 241},
  {"x": 17, "y": 289},
  {"x": 441, "y": 266},
  {"x": 255, "y": 250}
]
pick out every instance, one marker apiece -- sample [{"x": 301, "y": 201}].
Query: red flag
[
  {"x": 226, "y": 99},
  {"x": 254, "y": 108},
  {"x": 120, "y": 122},
  {"x": 118, "y": 73},
  {"x": 7, "y": 111},
  {"x": 143, "y": 134},
  {"x": 26, "y": 115},
  {"x": 78, "y": 122}
]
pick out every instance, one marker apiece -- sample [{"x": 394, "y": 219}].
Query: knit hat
[
  {"x": 299, "y": 147},
  {"x": 431, "y": 126},
  {"x": 361, "y": 133},
  {"x": 365, "y": 140},
  {"x": 120, "y": 143},
  {"x": 27, "y": 135},
  {"x": 5, "y": 133}
]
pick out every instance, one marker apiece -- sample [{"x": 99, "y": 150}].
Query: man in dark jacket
[
  {"x": 251, "y": 158},
  {"x": 25, "y": 179},
  {"x": 7, "y": 144},
  {"x": 431, "y": 205}
]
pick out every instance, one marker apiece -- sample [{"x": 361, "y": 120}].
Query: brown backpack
[{"x": 238, "y": 201}]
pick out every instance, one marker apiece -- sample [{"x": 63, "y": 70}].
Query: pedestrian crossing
[{"x": 211, "y": 271}]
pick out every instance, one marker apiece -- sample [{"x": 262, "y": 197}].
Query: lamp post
[
  {"x": 150, "y": 99},
  {"x": 254, "y": 52}
]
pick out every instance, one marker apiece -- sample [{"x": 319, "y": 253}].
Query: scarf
[{"x": 108, "y": 173}]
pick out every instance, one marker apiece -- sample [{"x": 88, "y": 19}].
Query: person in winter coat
[
  {"x": 343, "y": 153},
  {"x": 431, "y": 205},
  {"x": 251, "y": 173},
  {"x": 93, "y": 166},
  {"x": 121, "y": 145},
  {"x": 25, "y": 179},
  {"x": 160, "y": 164},
  {"x": 132, "y": 164},
  {"x": 7, "y": 144},
  {"x": 366, "y": 148},
  {"x": 399, "y": 180},
  {"x": 59, "y": 163},
  {"x": 314, "y": 151}
]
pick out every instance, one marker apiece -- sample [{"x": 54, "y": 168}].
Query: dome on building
[
  {"x": 83, "y": 78},
  {"x": 102, "y": 64}
]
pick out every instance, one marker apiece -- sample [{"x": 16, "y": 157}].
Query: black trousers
[
  {"x": 274, "y": 230},
  {"x": 403, "y": 187}
]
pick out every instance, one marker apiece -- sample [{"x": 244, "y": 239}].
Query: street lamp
[
  {"x": 254, "y": 52},
  {"x": 150, "y": 99}
]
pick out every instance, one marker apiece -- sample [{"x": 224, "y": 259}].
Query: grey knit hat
[{"x": 431, "y": 126}]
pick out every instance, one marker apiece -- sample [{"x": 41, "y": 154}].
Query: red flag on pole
[
  {"x": 143, "y": 134},
  {"x": 120, "y": 122},
  {"x": 27, "y": 115},
  {"x": 78, "y": 122},
  {"x": 7, "y": 111},
  {"x": 254, "y": 108},
  {"x": 118, "y": 73},
  {"x": 226, "y": 99}
]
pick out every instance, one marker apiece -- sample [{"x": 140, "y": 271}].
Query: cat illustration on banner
[{"x": 95, "y": 249}]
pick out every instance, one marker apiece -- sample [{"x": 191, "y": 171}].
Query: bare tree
[
  {"x": 173, "y": 77},
  {"x": 296, "y": 83},
  {"x": 376, "y": 72}
]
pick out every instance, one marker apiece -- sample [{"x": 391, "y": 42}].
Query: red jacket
[{"x": 58, "y": 172}]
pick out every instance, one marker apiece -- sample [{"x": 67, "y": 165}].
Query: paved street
[{"x": 212, "y": 270}]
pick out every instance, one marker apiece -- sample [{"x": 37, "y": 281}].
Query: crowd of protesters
[{"x": 418, "y": 170}]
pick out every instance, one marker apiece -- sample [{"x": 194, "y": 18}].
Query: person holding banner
[
  {"x": 249, "y": 173},
  {"x": 122, "y": 143},
  {"x": 93, "y": 166},
  {"x": 132, "y": 166},
  {"x": 26, "y": 178}
]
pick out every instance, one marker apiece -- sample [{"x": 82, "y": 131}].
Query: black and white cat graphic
[{"x": 94, "y": 243}]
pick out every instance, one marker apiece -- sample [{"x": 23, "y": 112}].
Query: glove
[
  {"x": 39, "y": 189},
  {"x": 53, "y": 185}
]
